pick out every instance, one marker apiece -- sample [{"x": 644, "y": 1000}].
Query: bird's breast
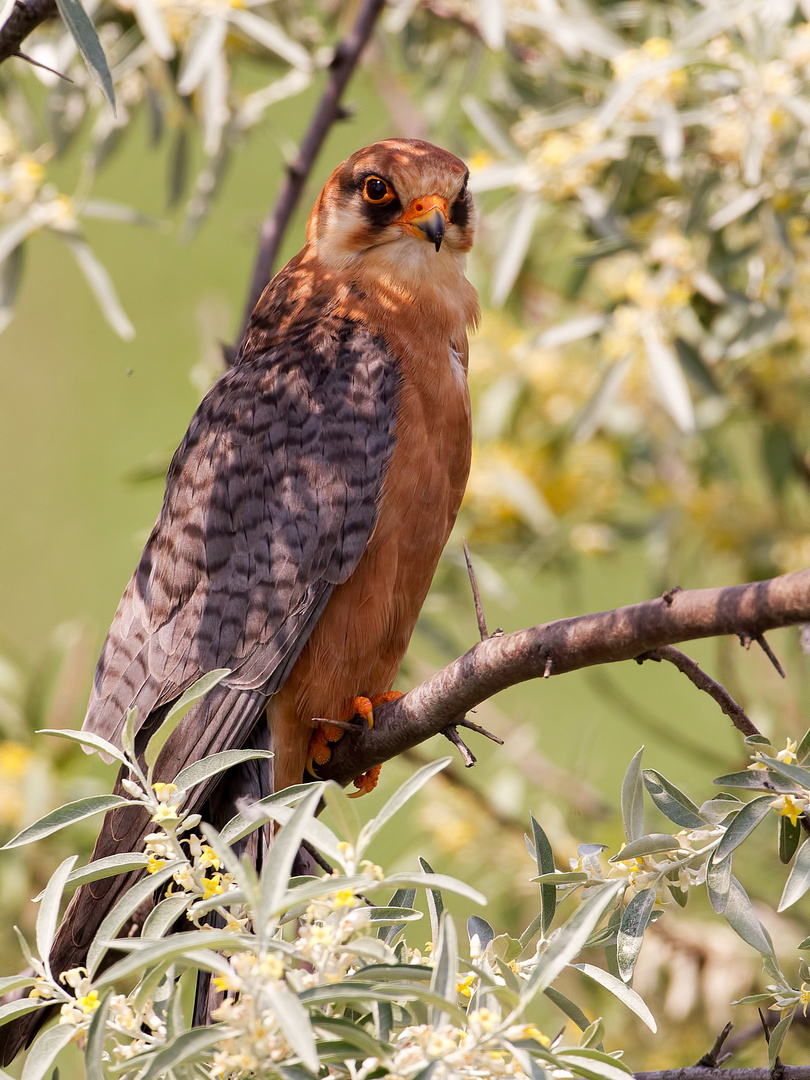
[{"x": 363, "y": 633}]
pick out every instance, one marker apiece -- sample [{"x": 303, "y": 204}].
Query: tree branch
[
  {"x": 25, "y": 17},
  {"x": 695, "y": 673},
  {"x": 567, "y": 645},
  {"x": 700, "y": 1072},
  {"x": 347, "y": 54}
]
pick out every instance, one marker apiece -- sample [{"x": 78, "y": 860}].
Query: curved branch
[
  {"x": 347, "y": 54},
  {"x": 567, "y": 645},
  {"x": 26, "y": 16}
]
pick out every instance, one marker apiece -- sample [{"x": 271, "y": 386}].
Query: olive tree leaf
[{"x": 84, "y": 34}]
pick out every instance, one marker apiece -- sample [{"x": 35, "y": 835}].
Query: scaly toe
[
  {"x": 362, "y": 706},
  {"x": 366, "y": 782}
]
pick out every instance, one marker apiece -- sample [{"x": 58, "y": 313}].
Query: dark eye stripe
[{"x": 460, "y": 210}]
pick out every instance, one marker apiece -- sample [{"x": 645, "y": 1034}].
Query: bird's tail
[{"x": 223, "y": 719}]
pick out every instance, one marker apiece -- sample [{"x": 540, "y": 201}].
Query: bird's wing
[{"x": 270, "y": 502}]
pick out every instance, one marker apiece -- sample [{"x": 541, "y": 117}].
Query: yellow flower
[
  {"x": 272, "y": 966},
  {"x": 212, "y": 886},
  {"x": 154, "y": 864},
  {"x": 89, "y": 1003},
  {"x": 804, "y": 999},
  {"x": 164, "y": 791},
  {"x": 786, "y": 806},
  {"x": 344, "y": 898},
  {"x": 209, "y": 858},
  {"x": 464, "y": 984},
  {"x": 657, "y": 48},
  {"x": 787, "y": 755},
  {"x": 165, "y": 813}
]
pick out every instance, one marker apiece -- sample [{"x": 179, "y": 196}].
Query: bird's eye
[{"x": 378, "y": 192}]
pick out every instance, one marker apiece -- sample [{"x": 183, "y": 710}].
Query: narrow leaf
[
  {"x": 402, "y": 898},
  {"x": 65, "y": 815},
  {"x": 798, "y": 881},
  {"x": 479, "y": 928},
  {"x": 743, "y": 825},
  {"x": 104, "y": 868},
  {"x": 568, "y": 1007},
  {"x": 434, "y": 902},
  {"x": 671, "y": 801},
  {"x": 635, "y": 920},
  {"x": 294, "y": 1021},
  {"x": 778, "y": 1037},
  {"x": 789, "y": 837},
  {"x": 84, "y": 34},
  {"x": 44, "y": 1050},
  {"x": 741, "y": 917},
  {"x": 86, "y": 738},
  {"x": 647, "y": 845},
  {"x": 276, "y": 871},
  {"x": 121, "y": 911},
  {"x": 48, "y": 915},
  {"x": 571, "y": 938},
  {"x": 443, "y": 982},
  {"x": 633, "y": 799},
  {"x": 544, "y": 858},
  {"x": 718, "y": 882},
  {"x": 96, "y": 1035},
  {"x": 216, "y": 763},
  {"x": 164, "y": 915},
  {"x": 400, "y": 797},
  {"x": 199, "y": 689},
  {"x": 187, "y": 1045},
  {"x": 100, "y": 282},
  {"x": 626, "y": 994}
]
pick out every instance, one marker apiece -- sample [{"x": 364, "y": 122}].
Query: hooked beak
[{"x": 426, "y": 218}]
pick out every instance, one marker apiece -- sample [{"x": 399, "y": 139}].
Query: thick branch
[
  {"x": 328, "y": 111},
  {"x": 26, "y": 16},
  {"x": 567, "y": 645},
  {"x": 699, "y": 1072}
]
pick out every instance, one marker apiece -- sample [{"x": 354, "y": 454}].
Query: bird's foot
[{"x": 320, "y": 750}]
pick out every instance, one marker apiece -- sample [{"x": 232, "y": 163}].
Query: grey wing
[{"x": 270, "y": 501}]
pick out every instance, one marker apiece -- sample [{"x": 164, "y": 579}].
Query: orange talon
[
  {"x": 319, "y": 752},
  {"x": 326, "y": 733},
  {"x": 363, "y": 706},
  {"x": 366, "y": 782}
]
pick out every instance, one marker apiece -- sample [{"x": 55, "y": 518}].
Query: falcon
[{"x": 307, "y": 506}]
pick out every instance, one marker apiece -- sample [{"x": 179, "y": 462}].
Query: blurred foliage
[{"x": 640, "y": 379}]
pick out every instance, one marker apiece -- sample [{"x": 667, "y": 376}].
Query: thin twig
[
  {"x": 479, "y": 609},
  {"x": 694, "y": 672},
  {"x": 347, "y": 54},
  {"x": 714, "y": 1056},
  {"x": 479, "y": 730},
  {"x": 26, "y": 16},
  {"x": 468, "y": 757},
  {"x": 763, "y": 644}
]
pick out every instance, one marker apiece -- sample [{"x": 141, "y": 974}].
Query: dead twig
[
  {"x": 763, "y": 644},
  {"x": 468, "y": 757},
  {"x": 328, "y": 112},
  {"x": 479, "y": 609},
  {"x": 695, "y": 673},
  {"x": 26, "y": 16},
  {"x": 715, "y": 1056}
]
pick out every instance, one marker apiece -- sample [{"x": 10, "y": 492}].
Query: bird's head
[{"x": 400, "y": 206}]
